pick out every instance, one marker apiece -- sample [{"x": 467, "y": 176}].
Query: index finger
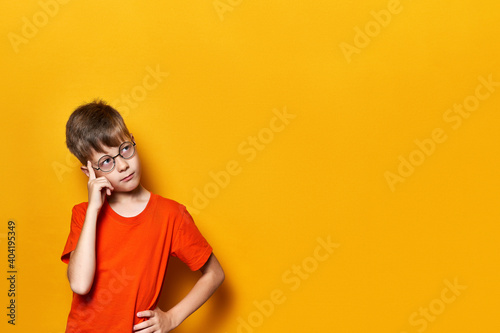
[
  {"x": 146, "y": 313},
  {"x": 91, "y": 170}
]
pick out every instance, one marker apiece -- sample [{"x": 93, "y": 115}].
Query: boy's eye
[{"x": 106, "y": 161}]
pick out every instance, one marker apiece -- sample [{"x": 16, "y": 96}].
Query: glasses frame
[{"x": 113, "y": 157}]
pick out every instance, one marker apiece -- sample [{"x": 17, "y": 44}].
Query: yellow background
[{"x": 323, "y": 175}]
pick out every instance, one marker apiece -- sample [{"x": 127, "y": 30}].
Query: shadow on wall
[{"x": 178, "y": 282}]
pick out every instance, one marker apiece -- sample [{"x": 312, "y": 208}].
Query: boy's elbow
[
  {"x": 78, "y": 286},
  {"x": 79, "y": 283},
  {"x": 216, "y": 276},
  {"x": 220, "y": 276},
  {"x": 214, "y": 271},
  {"x": 79, "y": 289}
]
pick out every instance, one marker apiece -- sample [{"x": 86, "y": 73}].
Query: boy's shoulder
[
  {"x": 167, "y": 204},
  {"x": 81, "y": 207}
]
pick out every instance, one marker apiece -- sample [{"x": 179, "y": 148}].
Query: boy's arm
[
  {"x": 212, "y": 277},
  {"x": 81, "y": 266}
]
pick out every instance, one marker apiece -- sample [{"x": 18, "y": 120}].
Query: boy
[{"x": 120, "y": 240}]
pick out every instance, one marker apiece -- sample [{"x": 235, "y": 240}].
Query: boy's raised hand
[{"x": 98, "y": 188}]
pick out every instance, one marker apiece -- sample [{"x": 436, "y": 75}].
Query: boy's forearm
[
  {"x": 207, "y": 284},
  {"x": 81, "y": 267}
]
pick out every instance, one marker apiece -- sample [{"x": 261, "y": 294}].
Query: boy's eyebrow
[
  {"x": 105, "y": 153},
  {"x": 99, "y": 154}
]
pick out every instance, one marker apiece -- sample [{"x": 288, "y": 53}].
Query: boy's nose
[{"x": 121, "y": 163}]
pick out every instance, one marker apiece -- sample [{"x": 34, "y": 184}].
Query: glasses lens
[
  {"x": 127, "y": 150},
  {"x": 106, "y": 163}
]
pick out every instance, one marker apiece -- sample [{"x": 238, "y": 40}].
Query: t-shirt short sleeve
[
  {"x": 77, "y": 219},
  {"x": 188, "y": 243}
]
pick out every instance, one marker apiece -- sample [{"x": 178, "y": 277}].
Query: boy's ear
[
  {"x": 132, "y": 137},
  {"x": 85, "y": 170}
]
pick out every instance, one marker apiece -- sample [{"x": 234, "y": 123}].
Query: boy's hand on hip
[
  {"x": 98, "y": 188},
  {"x": 158, "y": 322}
]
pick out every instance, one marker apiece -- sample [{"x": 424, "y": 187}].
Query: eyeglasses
[{"x": 107, "y": 163}]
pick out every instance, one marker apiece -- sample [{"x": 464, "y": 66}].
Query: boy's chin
[{"x": 127, "y": 187}]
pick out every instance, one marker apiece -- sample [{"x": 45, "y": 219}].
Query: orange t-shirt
[{"x": 131, "y": 259}]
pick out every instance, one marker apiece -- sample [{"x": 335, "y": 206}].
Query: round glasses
[{"x": 107, "y": 163}]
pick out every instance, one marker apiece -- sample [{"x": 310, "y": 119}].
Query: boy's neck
[{"x": 138, "y": 194}]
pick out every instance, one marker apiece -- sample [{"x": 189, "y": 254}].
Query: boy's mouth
[{"x": 129, "y": 177}]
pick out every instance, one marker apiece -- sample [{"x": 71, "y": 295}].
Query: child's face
[{"x": 125, "y": 176}]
